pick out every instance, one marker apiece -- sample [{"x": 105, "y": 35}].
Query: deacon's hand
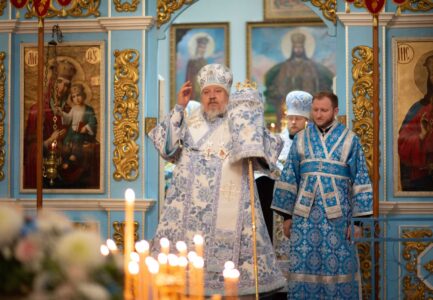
[
  {"x": 287, "y": 226},
  {"x": 184, "y": 94},
  {"x": 357, "y": 234}
]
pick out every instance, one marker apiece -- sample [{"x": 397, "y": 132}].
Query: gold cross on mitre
[{"x": 246, "y": 84}]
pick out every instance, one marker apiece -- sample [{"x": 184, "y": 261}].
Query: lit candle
[
  {"x": 104, "y": 250},
  {"x": 162, "y": 259},
  {"x": 198, "y": 242},
  {"x": 183, "y": 263},
  {"x": 231, "y": 280},
  {"x": 173, "y": 263},
  {"x": 165, "y": 245},
  {"x": 128, "y": 240},
  {"x": 191, "y": 274},
  {"x": 112, "y": 246},
  {"x": 198, "y": 266},
  {"x": 133, "y": 270},
  {"x": 181, "y": 248},
  {"x": 153, "y": 268},
  {"x": 135, "y": 257},
  {"x": 142, "y": 248},
  {"x": 229, "y": 265}
]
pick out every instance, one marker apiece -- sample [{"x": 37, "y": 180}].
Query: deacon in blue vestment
[{"x": 323, "y": 185}]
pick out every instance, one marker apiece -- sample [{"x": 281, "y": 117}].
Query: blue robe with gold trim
[{"x": 323, "y": 185}]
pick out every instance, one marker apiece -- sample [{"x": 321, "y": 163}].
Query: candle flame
[
  {"x": 133, "y": 268},
  {"x": 130, "y": 195},
  {"x": 229, "y": 265},
  {"x": 142, "y": 246},
  {"x": 104, "y": 250},
  {"x": 111, "y": 245}
]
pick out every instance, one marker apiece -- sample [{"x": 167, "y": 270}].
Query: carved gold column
[
  {"x": 2, "y": 114},
  {"x": 126, "y": 130},
  {"x": 362, "y": 91},
  {"x": 126, "y": 6}
]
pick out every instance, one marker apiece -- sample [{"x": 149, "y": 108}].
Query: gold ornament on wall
[
  {"x": 413, "y": 286},
  {"x": 328, "y": 8},
  {"x": 417, "y": 5},
  {"x": 119, "y": 233},
  {"x": 365, "y": 262},
  {"x": 149, "y": 124},
  {"x": 77, "y": 8},
  {"x": 126, "y": 6},
  {"x": 2, "y": 114},
  {"x": 126, "y": 130},
  {"x": 359, "y": 3},
  {"x": 362, "y": 91},
  {"x": 2, "y": 6},
  {"x": 165, "y": 8}
]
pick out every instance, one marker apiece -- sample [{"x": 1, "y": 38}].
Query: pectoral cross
[{"x": 208, "y": 151}]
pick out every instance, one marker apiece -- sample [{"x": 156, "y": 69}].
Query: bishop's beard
[{"x": 214, "y": 114}]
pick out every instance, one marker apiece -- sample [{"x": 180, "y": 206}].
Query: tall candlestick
[{"x": 128, "y": 241}]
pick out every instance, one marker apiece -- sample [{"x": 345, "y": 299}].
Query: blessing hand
[{"x": 184, "y": 94}]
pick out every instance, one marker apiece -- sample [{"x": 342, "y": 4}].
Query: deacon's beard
[{"x": 213, "y": 114}]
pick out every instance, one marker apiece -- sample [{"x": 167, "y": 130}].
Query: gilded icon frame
[
  {"x": 410, "y": 81},
  {"x": 263, "y": 57},
  {"x": 85, "y": 174}
]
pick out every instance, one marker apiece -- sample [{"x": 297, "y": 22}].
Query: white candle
[
  {"x": 183, "y": 263},
  {"x": 133, "y": 269},
  {"x": 153, "y": 268},
  {"x": 231, "y": 280},
  {"x": 165, "y": 245},
  {"x": 128, "y": 240},
  {"x": 198, "y": 264},
  {"x": 142, "y": 248},
  {"x": 181, "y": 248}
]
